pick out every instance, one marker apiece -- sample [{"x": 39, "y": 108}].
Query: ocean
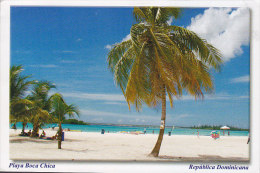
[{"x": 149, "y": 130}]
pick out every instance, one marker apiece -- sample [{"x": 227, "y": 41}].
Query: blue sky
[{"x": 69, "y": 47}]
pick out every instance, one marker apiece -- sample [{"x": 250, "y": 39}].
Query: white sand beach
[{"x": 128, "y": 147}]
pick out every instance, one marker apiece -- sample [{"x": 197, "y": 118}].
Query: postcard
[{"x": 126, "y": 87}]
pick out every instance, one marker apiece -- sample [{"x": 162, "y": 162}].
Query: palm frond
[{"x": 205, "y": 51}]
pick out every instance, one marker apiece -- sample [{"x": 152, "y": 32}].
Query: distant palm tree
[
  {"x": 42, "y": 105},
  {"x": 59, "y": 110},
  {"x": 162, "y": 60},
  {"x": 18, "y": 86}
]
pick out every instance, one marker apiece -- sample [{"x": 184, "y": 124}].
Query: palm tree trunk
[
  {"x": 24, "y": 124},
  {"x": 14, "y": 126},
  {"x": 156, "y": 149},
  {"x": 59, "y": 136},
  {"x": 35, "y": 130}
]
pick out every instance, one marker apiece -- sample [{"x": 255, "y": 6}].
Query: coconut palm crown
[
  {"x": 18, "y": 84},
  {"x": 162, "y": 60}
]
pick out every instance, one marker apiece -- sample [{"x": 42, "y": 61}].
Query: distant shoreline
[{"x": 154, "y": 126}]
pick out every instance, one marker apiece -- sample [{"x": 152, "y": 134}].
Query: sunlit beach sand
[{"x": 128, "y": 147}]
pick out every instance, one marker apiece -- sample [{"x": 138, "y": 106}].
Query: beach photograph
[{"x": 129, "y": 84}]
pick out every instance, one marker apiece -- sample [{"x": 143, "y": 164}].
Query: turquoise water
[{"x": 149, "y": 130}]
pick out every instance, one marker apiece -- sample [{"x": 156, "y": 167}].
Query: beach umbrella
[{"x": 224, "y": 128}]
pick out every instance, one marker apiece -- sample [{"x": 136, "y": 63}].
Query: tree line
[
  {"x": 209, "y": 127},
  {"x": 74, "y": 121}
]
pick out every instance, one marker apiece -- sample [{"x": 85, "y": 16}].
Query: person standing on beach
[
  {"x": 144, "y": 130},
  {"x": 198, "y": 133}
]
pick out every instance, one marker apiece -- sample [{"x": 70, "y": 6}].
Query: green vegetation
[
  {"x": 37, "y": 107},
  {"x": 59, "y": 109},
  {"x": 74, "y": 121},
  {"x": 162, "y": 60},
  {"x": 208, "y": 127},
  {"x": 19, "y": 105},
  {"x": 41, "y": 101}
]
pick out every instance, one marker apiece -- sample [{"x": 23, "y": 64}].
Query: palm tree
[
  {"x": 22, "y": 111},
  {"x": 42, "y": 105},
  {"x": 59, "y": 110},
  {"x": 162, "y": 60},
  {"x": 18, "y": 86}
]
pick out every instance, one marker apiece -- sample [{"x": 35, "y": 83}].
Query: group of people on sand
[
  {"x": 26, "y": 134},
  {"x": 29, "y": 133},
  {"x": 42, "y": 136}
]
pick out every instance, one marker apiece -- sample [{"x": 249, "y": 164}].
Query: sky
[{"x": 69, "y": 45}]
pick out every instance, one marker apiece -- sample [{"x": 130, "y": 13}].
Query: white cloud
[
  {"x": 23, "y": 51},
  {"x": 122, "y": 118},
  {"x": 115, "y": 103},
  {"x": 108, "y": 47},
  {"x": 88, "y": 96},
  {"x": 242, "y": 79},
  {"x": 181, "y": 116},
  {"x": 225, "y": 28},
  {"x": 67, "y": 61},
  {"x": 64, "y": 51},
  {"x": 128, "y": 37},
  {"x": 96, "y": 116},
  {"x": 170, "y": 21},
  {"x": 79, "y": 39},
  {"x": 120, "y": 99},
  {"x": 215, "y": 97},
  {"x": 44, "y": 66},
  {"x": 97, "y": 119},
  {"x": 96, "y": 113},
  {"x": 67, "y": 51}
]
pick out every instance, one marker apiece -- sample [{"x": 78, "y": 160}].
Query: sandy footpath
[{"x": 128, "y": 147}]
